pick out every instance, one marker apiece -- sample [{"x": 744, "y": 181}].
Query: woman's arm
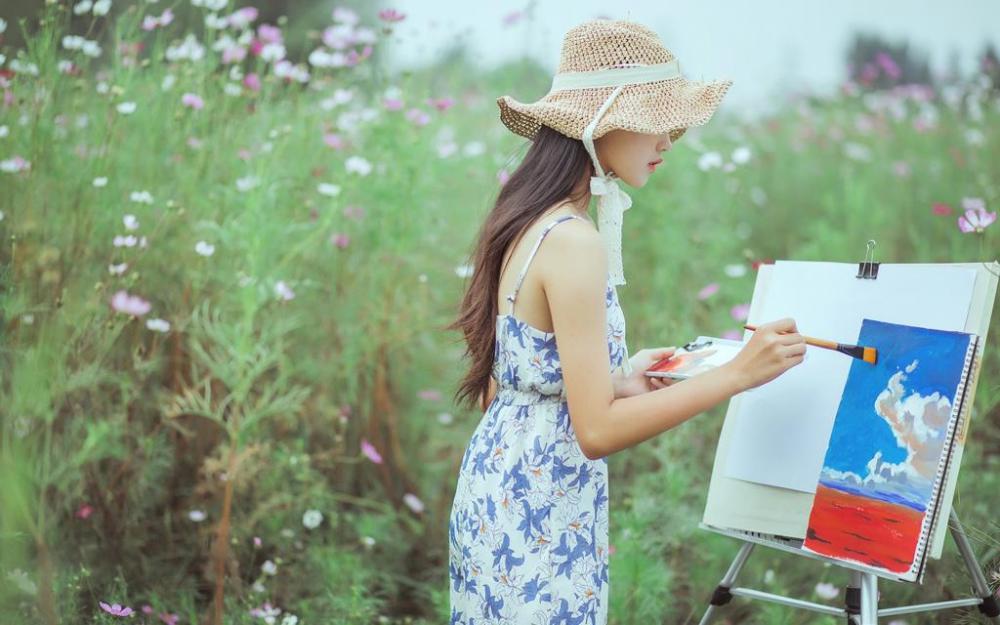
[{"x": 574, "y": 283}]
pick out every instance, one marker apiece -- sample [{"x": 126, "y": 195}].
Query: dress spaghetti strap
[{"x": 524, "y": 270}]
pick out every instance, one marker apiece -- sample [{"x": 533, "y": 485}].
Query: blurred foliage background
[{"x": 231, "y": 240}]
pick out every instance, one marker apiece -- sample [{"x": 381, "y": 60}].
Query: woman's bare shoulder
[{"x": 574, "y": 246}]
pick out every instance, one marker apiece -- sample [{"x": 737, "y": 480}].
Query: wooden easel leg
[
  {"x": 989, "y": 607},
  {"x": 722, "y": 596}
]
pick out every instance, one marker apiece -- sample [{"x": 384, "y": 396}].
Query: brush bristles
[{"x": 870, "y": 355}]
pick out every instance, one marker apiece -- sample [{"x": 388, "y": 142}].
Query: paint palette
[{"x": 698, "y": 356}]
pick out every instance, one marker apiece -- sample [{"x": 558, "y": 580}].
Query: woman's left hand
[{"x": 638, "y": 382}]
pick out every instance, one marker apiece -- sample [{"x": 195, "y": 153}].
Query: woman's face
[{"x": 628, "y": 154}]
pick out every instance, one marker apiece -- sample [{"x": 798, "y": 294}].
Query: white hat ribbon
[{"x": 612, "y": 201}]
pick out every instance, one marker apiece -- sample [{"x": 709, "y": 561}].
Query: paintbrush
[{"x": 867, "y": 354}]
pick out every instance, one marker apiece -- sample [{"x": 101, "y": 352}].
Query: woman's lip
[{"x": 656, "y": 162}]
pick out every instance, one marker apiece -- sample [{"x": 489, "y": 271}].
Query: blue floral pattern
[{"x": 528, "y": 533}]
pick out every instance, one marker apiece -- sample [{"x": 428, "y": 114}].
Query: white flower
[
  {"x": 290, "y": 619},
  {"x": 445, "y": 418},
  {"x": 215, "y": 22},
  {"x": 258, "y": 587},
  {"x": 100, "y": 181},
  {"x": 769, "y": 576},
  {"x": 247, "y": 183},
  {"x": 269, "y": 568},
  {"x": 271, "y": 52},
  {"x": 159, "y": 325},
  {"x": 3, "y": 25},
  {"x": 708, "y": 160},
  {"x": 143, "y": 197},
  {"x": 328, "y": 189},
  {"x": 413, "y": 502},
  {"x": 474, "y": 148},
  {"x": 736, "y": 270},
  {"x": 91, "y": 49},
  {"x": 857, "y": 152},
  {"x": 312, "y": 518},
  {"x": 446, "y": 149},
  {"x": 117, "y": 270},
  {"x": 128, "y": 241},
  {"x": 197, "y": 515},
  {"x": 204, "y": 248},
  {"x": 4, "y": 131},
  {"x": 168, "y": 82},
  {"x": 741, "y": 155},
  {"x": 126, "y": 108},
  {"x": 131, "y": 223},
  {"x": 464, "y": 271},
  {"x": 189, "y": 49},
  {"x": 82, "y": 7},
  {"x": 357, "y": 164},
  {"x": 72, "y": 42},
  {"x": 826, "y": 590},
  {"x": 283, "y": 291},
  {"x": 101, "y": 7},
  {"x": 368, "y": 541}
]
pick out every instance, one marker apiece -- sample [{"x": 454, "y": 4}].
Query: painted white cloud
[{"x": 918, "y": 423}]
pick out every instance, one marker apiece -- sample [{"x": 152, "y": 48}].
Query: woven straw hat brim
[{"x": 653, "y": 108}]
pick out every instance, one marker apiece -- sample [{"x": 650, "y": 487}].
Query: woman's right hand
[{"x": 774, "y": 348}]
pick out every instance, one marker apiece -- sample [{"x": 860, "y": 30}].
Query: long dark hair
[{"x": 550, "y": 172}]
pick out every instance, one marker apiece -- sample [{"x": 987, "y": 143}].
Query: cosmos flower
[
  {"x": 369, "y": 450},
  {"x": 116, "y": 609}
]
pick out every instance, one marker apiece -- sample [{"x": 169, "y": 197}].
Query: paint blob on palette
[{"x": 890, "y": 439}]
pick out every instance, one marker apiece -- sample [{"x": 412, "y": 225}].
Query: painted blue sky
[{"x": 858, "y": 431}]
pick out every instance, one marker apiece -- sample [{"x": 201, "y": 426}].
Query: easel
[{"x": 861, "y": 593}]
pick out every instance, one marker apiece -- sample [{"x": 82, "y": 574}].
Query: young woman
[{"x": 528, "y": 532}]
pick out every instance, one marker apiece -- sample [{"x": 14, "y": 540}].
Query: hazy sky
[{"x": 765, "y": 46}]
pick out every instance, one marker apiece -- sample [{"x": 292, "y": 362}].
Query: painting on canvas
[{"x": 888, "y": 438}]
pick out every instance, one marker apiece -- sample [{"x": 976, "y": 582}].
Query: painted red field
[{"x": 866, "y": 530}]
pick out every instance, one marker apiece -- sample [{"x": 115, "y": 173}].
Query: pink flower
[
  {"x": 354, "y": 212},
  {"x": 269, "y": 34},
  {"x": 192, "y": 100},
  {"x": 147, "y": 609},
  {"x": 370, "y": 451},
  {"x": 234, "y": 54},
  {"x": 84, "y": 511},
  {"x": 901, "y": 169},
  {"x": 975, "y": 219},
  {"x": 252, "y": 82},
  {"x": 340, "y": 239},
  {"x": 256, "y": 541},
  {"x": 611, "y": 549},
  {"x": 116, "y": 609},
  {"x": 392, "y": 104},
  {"x": 391, "y": 15},
  {"x": 739, "y": 312},
  {"x": 708, "y": 290},
  {"x": 169, "y": 619},
  {"x": 888, "y": 65},
  {"x": 242, "y": 17},
  {"x": 503, "y": 176},
  {"x": 418, "y": 117},
  {"x": 429, "y": 394},
  {"x": 129, "y": 304},
  {"x": 333, "y": 140},
  {"x": 441, "y": 104},
  {"x": 940, "y": 208}
]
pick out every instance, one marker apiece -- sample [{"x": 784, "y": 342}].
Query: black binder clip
[{"x": 868, "y": 268}]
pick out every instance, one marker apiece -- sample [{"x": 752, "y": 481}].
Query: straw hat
[
  {"x": 651, "y": 103},
  {"x": 614, "y": 74}
]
